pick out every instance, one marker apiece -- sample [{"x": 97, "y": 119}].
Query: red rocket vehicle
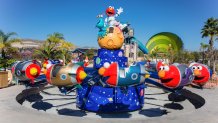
[
  {"x": 174, "y": 76},
  {"x": 179, "y": 75},
  {"x": 201, "y": 73}
]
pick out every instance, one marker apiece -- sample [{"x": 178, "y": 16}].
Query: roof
[{"x": 78, "y": 50}]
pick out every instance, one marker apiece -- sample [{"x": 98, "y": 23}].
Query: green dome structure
[{"x": 163, "y": 41}]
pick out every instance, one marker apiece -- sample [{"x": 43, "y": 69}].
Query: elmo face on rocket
[
  {"x": 110, "y": 11},
  {"x": 45, "y": 65},
  {"x": 201, "y": 74},
  {"x": 169, "y": 75}
]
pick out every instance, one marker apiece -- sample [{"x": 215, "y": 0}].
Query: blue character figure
[{"x": 102, "y": 27}]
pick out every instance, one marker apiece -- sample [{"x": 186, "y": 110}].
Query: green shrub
[{"x": 4, "y": 63}]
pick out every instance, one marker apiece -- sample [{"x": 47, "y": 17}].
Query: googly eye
[
  {"x": 48, "y": 66},
  {"x": 106, "y": 65},
  {"x": 161, "y": 68},
  {"x": 166, "y": 68},
  {"x": 110, "y": 7},
  {"x": 199, "y": 67},
  {"x": 194, "y": 68}
]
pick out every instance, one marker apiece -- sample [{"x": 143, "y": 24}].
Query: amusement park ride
[{"x": 112, "y": 85}]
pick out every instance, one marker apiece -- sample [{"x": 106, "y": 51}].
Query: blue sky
[{"x": 76, "y": 19}]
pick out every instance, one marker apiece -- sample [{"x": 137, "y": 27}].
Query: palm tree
[
  {"x": 170, "y": 54},
  {"x": 65, "y": 47},
  {"x": 5, "y": 41},
  {"x": 50, "y": 47},
  {"x": 5, "y": 45},
  {"x": 154, "y": 53},
  {"x": 210, "y": 30},
  {"x": 56, "y": 37}
]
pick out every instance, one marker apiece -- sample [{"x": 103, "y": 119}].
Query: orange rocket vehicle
[{"x": 69, "y": 75}]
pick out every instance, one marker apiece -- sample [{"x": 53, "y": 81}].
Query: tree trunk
[
  {"x": 208, "y": 62},
  {"x": 211, "y": 53},
  {"x": 214, "y": 66}
]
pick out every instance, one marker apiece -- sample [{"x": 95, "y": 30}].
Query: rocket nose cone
[
  {"x": 111, "y": 70},
  {"x": 82, "y": 75},
  {"x": 33, "y": 71},
  {"x": 112, "y": 80}
]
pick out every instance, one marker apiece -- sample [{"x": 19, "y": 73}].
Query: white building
[{"x": 27, "y": 44}]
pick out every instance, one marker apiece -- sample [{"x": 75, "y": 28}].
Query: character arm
[
  {"x": 105, "y": 20},
  {"x": 119, "y": 11}
]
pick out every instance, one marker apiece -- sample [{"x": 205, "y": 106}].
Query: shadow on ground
[
  {"x": 71, "y": 112},
  {"x": 30, "y": 95},
  {"x": 42, "y": 105},
  {"x": 33, "y": 96},
  {"x": 115, "y": 115},
  {"x": 175, "y": 106},
  {"x": 153, "y": 112},
  {"x": 196, "y": 100}
]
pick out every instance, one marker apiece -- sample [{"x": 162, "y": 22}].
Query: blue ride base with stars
[
  {"x": 110, "y": 99},
  {"x": 105, "y": 55}
]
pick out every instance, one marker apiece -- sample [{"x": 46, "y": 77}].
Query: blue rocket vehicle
[{"x": 132, "y": 75}]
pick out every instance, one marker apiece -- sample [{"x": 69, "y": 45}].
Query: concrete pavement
[{"x": 49, "y": 106}]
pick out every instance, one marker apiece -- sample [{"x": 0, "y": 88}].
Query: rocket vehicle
[
  {"x": 174, "y": 76},
  {"x": 47, "y": 63},
  {"x": 26, "y": 70},
  {"x": 201, "y": 73},
  {"x": 117, "y": 76},
  {"x": 86, "y": 62},
  {"x": 69, "y": 75}
]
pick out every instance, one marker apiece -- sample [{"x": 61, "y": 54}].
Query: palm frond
[
  {"x": 2, "y": 45},
  {"x": 11, "y": 34},
  {"x": 210, "y": 28}
]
